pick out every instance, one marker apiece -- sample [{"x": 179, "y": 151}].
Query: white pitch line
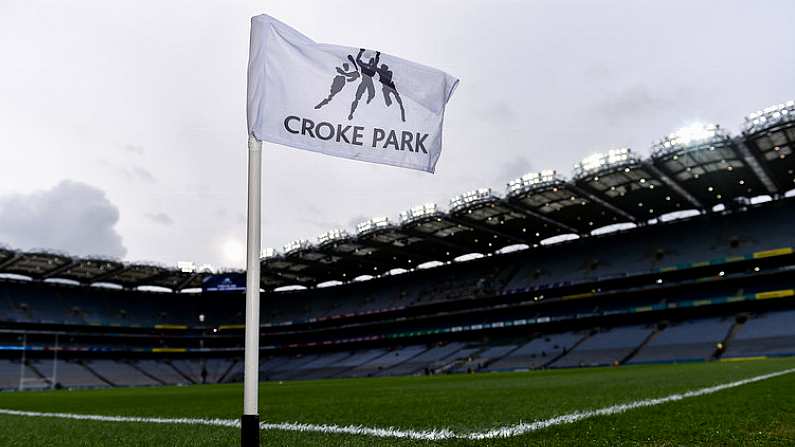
[
  {"x": 138, "y": 419},
  {"x": 390, "y": 432},
  {"x": 520, "y": 429},
  {"x": 427, "y": 435}
]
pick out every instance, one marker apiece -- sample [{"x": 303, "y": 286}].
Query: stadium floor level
[
  {"x": 724, "y": 337},
  {"x": 730, "y": 403}
]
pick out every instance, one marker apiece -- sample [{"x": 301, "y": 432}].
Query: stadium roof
[{"x": 695, "y": 168}]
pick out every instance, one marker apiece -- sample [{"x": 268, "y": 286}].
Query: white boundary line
[
  {"x": 427, "y": 435},
  {"x": 134, "y": 419},
  {"x": 516, "y": 430}
]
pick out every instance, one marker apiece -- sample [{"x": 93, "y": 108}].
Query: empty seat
[
  {"x": 687, "y": 341},
  {"x": 763, "y": 335},
  {"x": 605, "y": 348}
]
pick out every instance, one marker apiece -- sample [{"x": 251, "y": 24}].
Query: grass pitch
[{"x": 761, "y": 413}]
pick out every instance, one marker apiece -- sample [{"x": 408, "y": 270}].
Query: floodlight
[
  {"x": 418, "y": 212},
  {"x": 532, "y": 180},
  {"x": 770, "y": 116},
  {"x": 186, "y": 266},
  {"x": 471, "y": 197},
  {"x": 331, "y": 236},
  {"x": 600, "y": 161},
  {"x": 372, "y": 225},
  {"x": 692, "y": 136},
  {"x": 693, "y": 133},
  {"x": 296, "y": 245}
]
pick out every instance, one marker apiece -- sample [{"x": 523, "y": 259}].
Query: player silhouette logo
[
  {"x": 364, "y": 72},
  {"x": 388, "y": 89},
  {"x": 339, "y": 81}
]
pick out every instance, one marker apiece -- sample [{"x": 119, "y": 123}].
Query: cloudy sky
[{"x": 122, "y": 123}]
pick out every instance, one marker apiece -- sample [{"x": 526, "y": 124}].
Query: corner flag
[{"x": 347, "y": 102}]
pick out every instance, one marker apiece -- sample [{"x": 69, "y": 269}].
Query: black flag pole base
[{"x": 249, "y": 430}]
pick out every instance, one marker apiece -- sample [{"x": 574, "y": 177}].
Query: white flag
[{"x": 342, "y": 101}]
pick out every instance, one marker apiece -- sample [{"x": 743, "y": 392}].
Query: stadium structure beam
[
  {"x": 16, "y": 257},
  {"x": 398, "y": 250},
  {"x": 673, "y": 184},
  {"x": 308, "y": 265},
  {"x": 602, "y": 202},
  {"x": 353, "y": 258},
  {"x": 61, "y": 269},
  {"x": 526, "y": 210},
  {"x": 108, "y": 274},
  {"x": 182, "y": 284},
  {"x": 158, "y": 277},
  {"x": 265, "y": 286},
  {"x": 433, "y": 237},
  {"x": 471, "y": 223},
  {"x": 287, "y": 281},
  {"x": 316, "y": 264},
  {"x": 151, "y": 280},
  {"x": 756, "y": 167}
]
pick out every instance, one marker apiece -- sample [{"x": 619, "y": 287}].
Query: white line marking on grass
[
  {"x": 144, "y": 420},
  {"x": 390, "y": 432},
  {"x": 520, "y": 429},
  {"x": 427, "y": 435}
]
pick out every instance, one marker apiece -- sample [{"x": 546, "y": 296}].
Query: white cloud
[{"x": 71, "y": 216}]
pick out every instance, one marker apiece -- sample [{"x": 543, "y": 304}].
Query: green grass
[{"x": 760, "y": 413}]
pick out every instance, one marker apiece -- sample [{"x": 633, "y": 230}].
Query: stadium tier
[
  {"x": 696, "y": 168},
  {"x": 607, "y": 347},
  {"x": 765, "y": 335},
  {"x": 709, "y": 286},
  {"x": 713, "y": 280}
]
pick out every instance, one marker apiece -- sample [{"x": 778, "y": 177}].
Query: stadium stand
[
  {"x": 382, "y": 365},
  {"x": 716, "y": 282},
  {"x": 646, "y": 251},
  {"x": 769, "y": 334},
  {"x": 284, "y": 368},
  {"x": 686, "y": 341},
  {"x": 161, "y": 370},
  {"x": 609, "y": 347},
  {"x": 426, "y": 361},
  {"x": 494, "y": 353},
  {"x": 121, "y": 373},
  {"x": 322, "y": 366},
  {"x": 359, "y": 359},
  {"x": 538, "y": 352},
  {"x": 9, "y": 374},
  {"x": 73, "y": 375}
]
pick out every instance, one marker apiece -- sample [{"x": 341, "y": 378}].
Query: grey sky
[{"x": 144, "y": 101}]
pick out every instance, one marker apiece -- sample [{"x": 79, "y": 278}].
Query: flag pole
[{"x": 249, "y": 422}]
